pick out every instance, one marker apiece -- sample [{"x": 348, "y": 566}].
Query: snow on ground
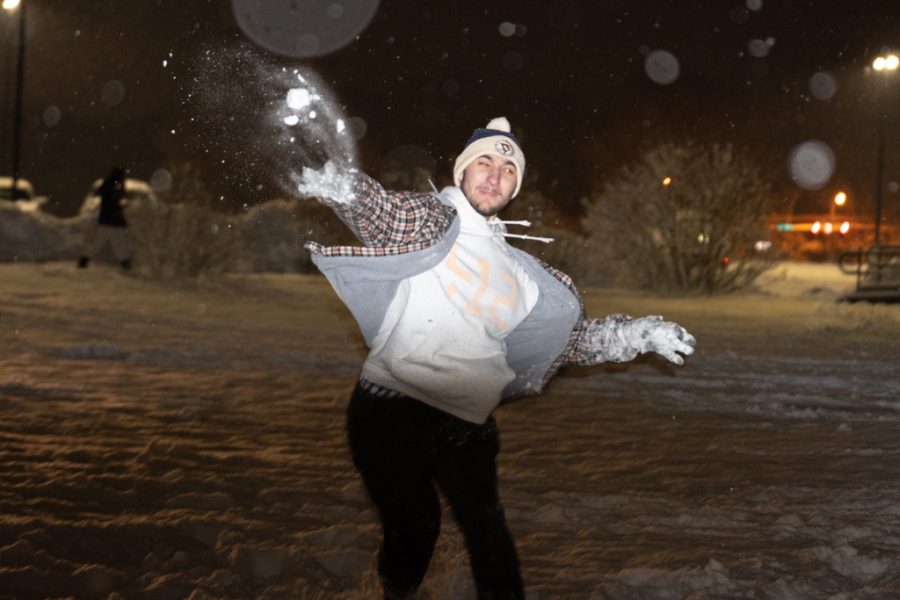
[{"x": 185, "y": 440}]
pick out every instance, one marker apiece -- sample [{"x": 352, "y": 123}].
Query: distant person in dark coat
[{"x": 112, "y": 228}]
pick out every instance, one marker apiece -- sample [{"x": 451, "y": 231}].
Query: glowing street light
[
  {"x": 840, "y": 199},
  {"x": 9, "y": 6},
  {"x": 887, "y": 65}
]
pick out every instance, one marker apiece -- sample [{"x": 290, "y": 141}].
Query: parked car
[
  {"x": 136, "y": 192},
  {"x": 23, "y": 198}
]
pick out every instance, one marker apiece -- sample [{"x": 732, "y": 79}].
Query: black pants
[{"x": 401, "y": 447}]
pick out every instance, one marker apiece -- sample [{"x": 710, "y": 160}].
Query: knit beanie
[{"x": 496, "y": 139}]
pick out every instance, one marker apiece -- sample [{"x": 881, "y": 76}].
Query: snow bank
[
  {"x": 796, "y": 279},
  {"x": 271, "y": 235},
  {"x": 36, "y": 236}
]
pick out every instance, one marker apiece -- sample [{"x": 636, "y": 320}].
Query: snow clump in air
[
  {"x": 300, "y": 97},
  {"x": 329, "y": 183},
  {"x": 314, "y": 136}
]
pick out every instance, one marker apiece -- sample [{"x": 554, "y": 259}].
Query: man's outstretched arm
[
  {"x": 378, "y": 217},
  {"x": 619, "y": 338}
]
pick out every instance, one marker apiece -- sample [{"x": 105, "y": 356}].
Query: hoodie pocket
[{"x": 447, "y": 368}]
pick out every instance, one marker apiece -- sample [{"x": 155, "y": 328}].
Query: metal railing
[{"x": 876, "y": 268}]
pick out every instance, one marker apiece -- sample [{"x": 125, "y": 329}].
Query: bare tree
[{"x": 686, "y": 216}]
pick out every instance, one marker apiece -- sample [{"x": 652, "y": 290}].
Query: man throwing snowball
[{"x": 456, "y": 321}]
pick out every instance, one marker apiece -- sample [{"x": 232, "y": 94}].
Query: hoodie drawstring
[
  {"x": 502, "y": 225},
  {"x": 520, "y": 236}
]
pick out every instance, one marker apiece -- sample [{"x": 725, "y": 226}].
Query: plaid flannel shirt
[
  {"x": 390, "y": 222},
  {"x": 387, "y": 222}
]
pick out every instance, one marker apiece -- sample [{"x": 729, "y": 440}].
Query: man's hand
[
  {"x": 652, "y": 334},
  {"x": 330, "y": 183},
  {"x": 619, "y": 338}
]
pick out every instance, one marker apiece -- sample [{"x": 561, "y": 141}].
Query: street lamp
[
  {"x": 840, "y": 198},
  {"x": 11, "y": 5},
  {"x": 882, "y": 64}
]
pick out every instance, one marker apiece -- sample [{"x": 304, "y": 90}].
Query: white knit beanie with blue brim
[{"x": 495, "y": 139}]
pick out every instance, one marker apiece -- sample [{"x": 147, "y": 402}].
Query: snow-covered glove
[
  {"x": 619, "y": 338},
  {"x": 331, "y": 183}
]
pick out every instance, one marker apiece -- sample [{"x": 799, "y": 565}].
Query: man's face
[{"x": 488, "y": 183}]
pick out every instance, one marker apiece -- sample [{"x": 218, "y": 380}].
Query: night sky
[{"x": 108, "y": 82}]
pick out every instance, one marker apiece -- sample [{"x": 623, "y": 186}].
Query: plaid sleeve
[
  {"x": 579, "y": 350},
  {"x": 388, "y": 219}
]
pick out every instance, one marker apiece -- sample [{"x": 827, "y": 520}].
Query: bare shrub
[
  {"x": 685, "y": 217},
  {"x": 273, "y": 234},
  {"x": 183, "y": 235}
]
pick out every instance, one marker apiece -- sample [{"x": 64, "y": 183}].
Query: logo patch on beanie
[{"x": 504, "y": 148}]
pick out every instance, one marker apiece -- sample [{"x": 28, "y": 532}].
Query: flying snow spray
[
  {"x": 312, "y": 126},
  {"x": 315, "y": 128},
  {"x": 268, "y": 120}
]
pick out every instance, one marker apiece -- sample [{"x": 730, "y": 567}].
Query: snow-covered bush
[
  {"x": 183, "y": 235},
  {"x": 273, "y": 234},
  {"x": 686, "y": 216},
  {"x": 184, "y": 239},
  {"x": 35, "y": 236},
  {"x": 187, "y": 238}
]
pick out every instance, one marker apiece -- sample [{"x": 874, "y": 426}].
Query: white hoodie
[{"x": 442, "y": 338}]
